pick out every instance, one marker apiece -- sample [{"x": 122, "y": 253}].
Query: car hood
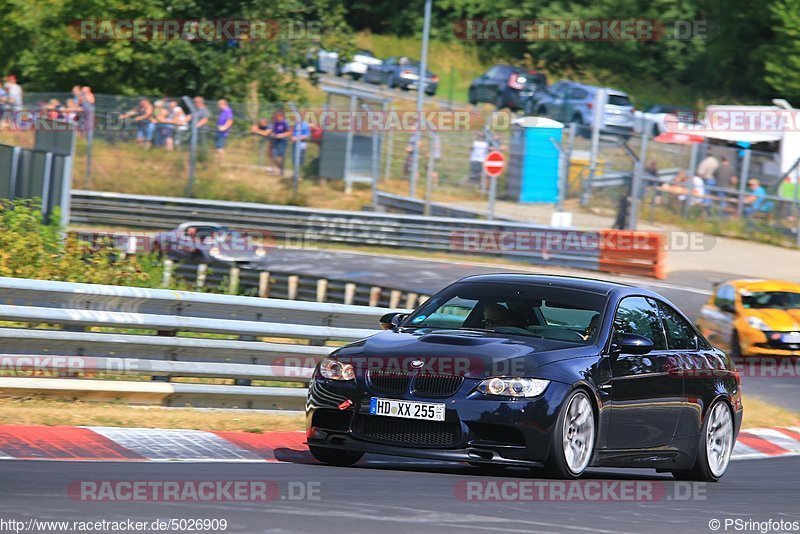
[
  {"x": 473, "y": 354},
  {"x": 776, "y": 319}
]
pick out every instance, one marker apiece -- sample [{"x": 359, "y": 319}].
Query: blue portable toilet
[{"x": 534, "y": 160}]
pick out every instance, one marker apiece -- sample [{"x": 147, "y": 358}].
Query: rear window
[{"x": 619, "y": 100}]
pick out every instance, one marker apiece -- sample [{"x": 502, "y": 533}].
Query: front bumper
[
  {"x": 760, "y": 343},
  {"x": 476, "y": 429}
]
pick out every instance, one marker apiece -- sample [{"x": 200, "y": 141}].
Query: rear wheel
[
  {"x": 335, "y": 456},
  {"x": 715, "y": 447},
  {"x": 572, "y": 445}
]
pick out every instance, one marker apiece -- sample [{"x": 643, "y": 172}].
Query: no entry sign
[{"x": 494, "y": 163}]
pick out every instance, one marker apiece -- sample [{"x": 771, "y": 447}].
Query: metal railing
[{"x": 76, "y": 334}]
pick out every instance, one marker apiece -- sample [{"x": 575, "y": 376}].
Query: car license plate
[
  {"x": 407, "y": 409},
  {"x": 794, "y": 337}
]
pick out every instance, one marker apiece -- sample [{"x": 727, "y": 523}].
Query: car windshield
[
  {"x": 526, "y": 310},
  {"x": 782, "y": 300}
]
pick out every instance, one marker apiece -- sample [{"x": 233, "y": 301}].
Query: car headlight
[
  {"x": 336, "y": 370},
  {"x": 214, "y": 251},
  {"x": 260, "y": 252},
  {"x": 513, "y": 387},
  {"x": 757, "y": 323}
]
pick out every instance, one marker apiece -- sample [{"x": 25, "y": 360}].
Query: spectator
[
  {"x": 181, "y": 122},
  {"x": 755, "y": 202},
  {"x": 301, "y": 132},
  {"x": 201, "y": 116},
  {"x": 263, "y": 130},
  {"x": 141, "y": 116},
  {"x": 13, "y": 93},
  {"x": 697, "y": 190},
  {"x": 224, "y": 124},
  {"x": 155, "y": 121},
  {"x": 87, "y": 108},
  {"x": 166, "y": 126},
  {"x": 480, "y": 149},
  {"x": 707, "y": 167},
  {"x": 723, "y": 173},
  {"x": 280, "y": 139},
  {"x": 3, "y": 98}
]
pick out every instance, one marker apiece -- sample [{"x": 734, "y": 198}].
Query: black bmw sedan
[{"x": 532, "y": 370}]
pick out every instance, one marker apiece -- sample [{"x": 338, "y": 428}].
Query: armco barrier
[
  {"x": 630, "y": 252},
  {"x": 433, "y": 234},
  {"x": 97, "y": 331}
]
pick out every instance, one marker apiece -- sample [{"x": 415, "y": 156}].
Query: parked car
[
  {"x": 402, "y": 72},
  {"x": 572, "y": 102},
  {"x": 205, "y": 242},
  {"x": 530, "y": 371},
  {"x": 753, "y": 318},
  {"x": 506, "y": 86},
  {"x": 322, "y": 61},
  {"x": 357, "y": 67},
  {"x": 661, "y": 118}
]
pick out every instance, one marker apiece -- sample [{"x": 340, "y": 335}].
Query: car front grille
[
  {"x": 408, "y": 432},
  {"x": 388, "y": 380},
  {"x": 436, "y": 385}
]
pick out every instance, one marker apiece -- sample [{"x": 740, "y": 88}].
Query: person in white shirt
[
  {"x": 697, "y": 190},
  {"x": 480, "y": 149}
]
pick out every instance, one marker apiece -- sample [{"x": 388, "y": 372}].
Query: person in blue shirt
[
  {"x": 755, "y": 201},
  {"x": 301, "y": 132}
]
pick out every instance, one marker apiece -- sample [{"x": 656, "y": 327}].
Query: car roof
[
  {"x": 595, "y": 87},
  {"x": 758, "y": 284},
  {"x": 568, "y": 282}
]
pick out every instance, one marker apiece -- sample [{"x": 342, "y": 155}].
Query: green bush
[{"x": 31, "y": 249}]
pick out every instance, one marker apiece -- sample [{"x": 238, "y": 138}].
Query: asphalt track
[{"x": 390, "y": 495}]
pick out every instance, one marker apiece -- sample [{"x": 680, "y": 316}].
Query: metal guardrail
[
  {"x": 307, "y": 224},
  {"x": 415, "y": 206},
  {"x": 122, "y": 332}
]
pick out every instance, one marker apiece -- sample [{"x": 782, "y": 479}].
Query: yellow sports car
[{"x": 753, "y": 318}]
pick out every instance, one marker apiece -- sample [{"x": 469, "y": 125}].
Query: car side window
[
  {"x": 577, "y": 94},
  {"x": 725, "y": 297},
  {"x": 557, "y": 89},
  {"x": 492, "y": 73},
  {"x": 680, "y": 334},
  {"x": 638, "y": 315}
]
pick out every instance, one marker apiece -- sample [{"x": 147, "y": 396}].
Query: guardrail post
[
  {"x": 233, "y": 281},
  {"x": 322, "y": 290},
  {"x": 263, "y": 284},
  {"x": 394, "y": 298},
  {"x": 411, "y": 300},
  {"x": 374, "y": 296},
  {"x": 202, "y": 270},
  {"x": 349, "y": 293},
  {"x": 292, "y": 284},
  {"x": 166, "y": 278}
]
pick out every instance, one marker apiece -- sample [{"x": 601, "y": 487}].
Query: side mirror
[
  {"x": 633, "y": 344},
  {"x": 727, "y": 307},
  {"x": 391, "y": 320}
]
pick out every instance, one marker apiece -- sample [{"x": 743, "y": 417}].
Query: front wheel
[
  {"x": 335, "y": 456},
  {"x": 715, "y": 447},
  {"x": 573, "y": 439}
]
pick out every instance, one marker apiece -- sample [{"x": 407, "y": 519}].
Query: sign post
[{"x": 493, "y": 166}]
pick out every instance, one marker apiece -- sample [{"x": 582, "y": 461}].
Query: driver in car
[{"x": 495, "y": 315}]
